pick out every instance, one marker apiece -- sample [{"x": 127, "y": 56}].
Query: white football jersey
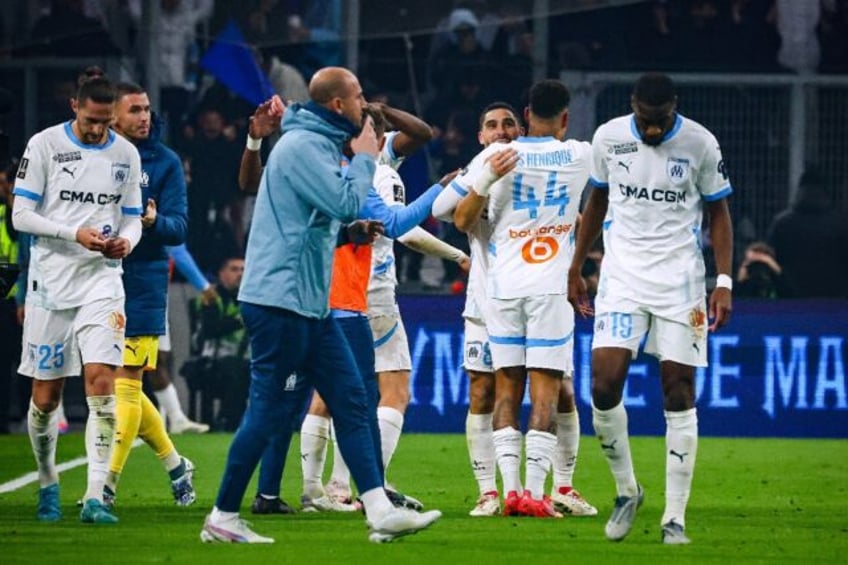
[
  {"x": 383, "y": 281},
  {"x": 387, "y": 155},
  {"x": 652, "y": 251},
  {"x": 77, "y": 185},
  {"x": 532, "y": 211},
  {"x": 478, "y": 243}
]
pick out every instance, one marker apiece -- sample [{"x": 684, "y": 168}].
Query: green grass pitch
[{"x": 754, "y": 500}]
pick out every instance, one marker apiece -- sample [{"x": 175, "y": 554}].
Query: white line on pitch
[{"x": 32, "y": 477}]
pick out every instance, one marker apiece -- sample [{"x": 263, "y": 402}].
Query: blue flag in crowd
[{"x": 231, "y": 61}]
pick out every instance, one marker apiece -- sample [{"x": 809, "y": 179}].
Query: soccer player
[
  {"x": 535, "y": 186},
  {"x": 303, "y": 198},
  {"x": 146, "y": 285},
  {"x": 77, "y": 191},
  {"x": 499, "y": 124},
  {"x": 653, "y": 172}
]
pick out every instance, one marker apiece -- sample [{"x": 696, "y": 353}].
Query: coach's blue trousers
[
  {"x": 358, "y": 334},
  {"x": 283, "y": 342}
]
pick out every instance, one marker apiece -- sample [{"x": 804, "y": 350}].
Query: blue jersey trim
[
  {"x": 26, "y": 194},
  {"x": 678, "y": 123},
  {"x": 507, "y": 340},
  {"x": 538, "y": 342},
  {"x": 723, "y": 193},
  {"x": 459, "y": 190},
  {"x": 598, "y": 183},
  {"x": 130, "y": 211},
  {"x": 384, "y": 266},
  {"x": 69, "y": 131},
  {"x": 387, "y": 337},
  {"x": 545, "y": 139}
]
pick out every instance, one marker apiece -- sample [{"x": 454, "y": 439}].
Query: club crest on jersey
[
  {"x": 120, "y": 172},
  {"x": 145, "y": 178},
  {"x": 678, "y": 170}
]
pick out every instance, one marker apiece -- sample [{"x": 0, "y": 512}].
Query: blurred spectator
[
  {"x": 10, "y": 323},
  {"x": 799, "y": 45},
  {"x": 213, "y": 195},
  {"x": 759, "y": 275},
  {"x": 266, "y": 22},
  {"x": 220, "y": 345},
  {"x": 810, "y": 240},
  {"x": 315, "y": 27},
  {"x": 287, "y": 81},
  {"x": 833, "y": 35},
  {"x": 460, "y": 55},
  {"x": 175, "y": 38},
  {"x": 67, "y": 32}
]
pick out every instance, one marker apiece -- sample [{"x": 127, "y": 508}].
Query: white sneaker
[
  {"x": 339, "y": 491},
  {"x": 234, "y": 530},
  {"x": 186, "y": 426},
  {"x": 324, "y": 504},
  {"x": 489, "y": 504},
  {"x": 572, "y": 503},
  {"x": 623, "y": 514},
  {"x": 399, "y": 522}
]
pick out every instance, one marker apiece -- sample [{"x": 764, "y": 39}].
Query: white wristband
[
  {"x": 253, "y": 144},
  {"x": 485, "y": 180},
  {"x": 724, "y": 281}
]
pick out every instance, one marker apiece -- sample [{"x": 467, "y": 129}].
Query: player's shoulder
[
  {"x": 49, "y": 135},
  {"x": 693, "y": 131},
  {"x": 384, "y": 173}
]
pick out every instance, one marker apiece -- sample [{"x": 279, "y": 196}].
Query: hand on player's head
[{"x": 503, "y": 161}]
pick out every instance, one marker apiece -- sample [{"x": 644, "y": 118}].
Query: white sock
[
  {"x": 43, "y": 432},
  {"x": 172, "y": 460},
  {"x": 539, "y": 447},
  {"x": 507, "y": 442},
  {"x": 376, "y": 503},
  {"x": 568, "y": 443},
  {"x": 341, "y": 474},
  {"x": 391, "y": 425},
  {"x": 681, "y": 443},
  {"x": 313, "y": 452},
  {"x": 169, "y": 404},
  {"x": 611, "y": 429},
  {"x": 99, "y": 432},
  {"x": 481, "y": 450}
]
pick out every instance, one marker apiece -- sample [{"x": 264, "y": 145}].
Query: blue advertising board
[{"x": 777, "y": 370}]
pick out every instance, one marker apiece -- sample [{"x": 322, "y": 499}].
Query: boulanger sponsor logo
[
  {"x": 698, "y": 322},
  {"x": 89, "y": 197},
  {"x": 677, "y": 169},
  {"x": 556, "y": 229},
  {"x": 653, "y": 194},
  {"x": 539, "y": 250}
]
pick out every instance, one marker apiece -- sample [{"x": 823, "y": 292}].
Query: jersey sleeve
[
  {"x": 713, "y": 181},
  {"x": 465, "y": 180},
  {"x": 31, "y": 178},
  {"x": 131, "y": 203},
  {"x": 388, "y": 155},
  {"x": 389, "y": 186},
  {"x": 599, "y": 172}
]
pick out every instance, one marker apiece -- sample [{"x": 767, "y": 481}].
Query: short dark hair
[
  {"x": 548, "y": 98},
  {"x": 654, "y": 89},
  {"x": 126, "y": 88},
  {"x": 498, "y": 106},
  {"x": 98, "y": 89}
]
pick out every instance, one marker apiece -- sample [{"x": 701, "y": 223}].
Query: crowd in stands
[{"x": 463, "y": 55}]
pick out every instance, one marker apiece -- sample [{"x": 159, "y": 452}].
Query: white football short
[
  {"x": 535, "y": 332},
  {"x": 391, "y": 346},
  {"x": 57, "y": 343},
  {"x": 682, "y": 339},
  {"x": 478, "y": 353}
]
